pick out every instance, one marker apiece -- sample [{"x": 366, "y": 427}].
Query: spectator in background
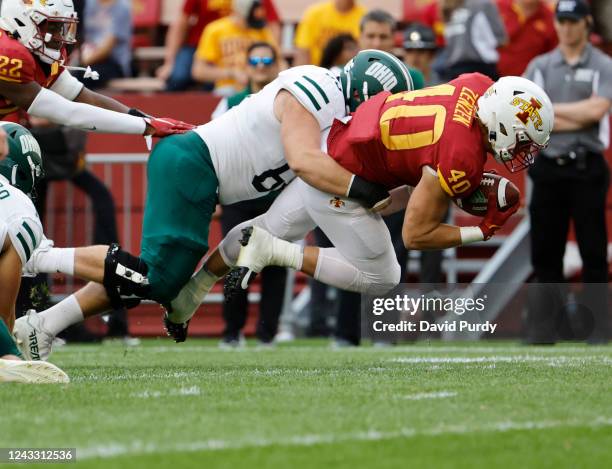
[
  {"x": 184, "y": 34},
  {"x": 525, "y": 20},
  {"x": 420, "y": 50},
  {"x": 376, "y": 31},
  {"x": 473, "y": 31},
  {"x": 222, "y": 50},
  {"x": 571, "y": 176},
  {"x": 262, "y": 68},
  {"x": 602, "y": 13},
  {"x": 338, "y": 51},
  {"x": 107, "y": 43},
  {"x": 321, "y": 22}
]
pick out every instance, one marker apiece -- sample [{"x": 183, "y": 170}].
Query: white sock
[
  {"x": 66, "y": 313},
  {"x": 202, "y": 282},
  {"x": 195, "y": 290},
  {"x": 286, "y": 254},
  {"x": 56, "y": 260}
]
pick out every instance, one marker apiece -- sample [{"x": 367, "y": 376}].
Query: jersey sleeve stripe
[
  {"x": 8, "y": 110},
  {"x": 319, "y": 89},
  {"x": 31, "y": 233},
  {"x": 444, "y": 184},
  {"x": 24, "y": 245},
  {"x": 12, "y": 80},
  {"x": 309, "y": 94}
]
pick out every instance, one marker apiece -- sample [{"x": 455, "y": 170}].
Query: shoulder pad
[{"x": 318, "y": 90}]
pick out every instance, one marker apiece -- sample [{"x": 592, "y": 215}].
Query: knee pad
[
  {"x": 125, "y": 278},
  {"x": 379, "y": 284}
]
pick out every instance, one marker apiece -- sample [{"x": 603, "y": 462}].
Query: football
[{"x": 507, "y": 195}]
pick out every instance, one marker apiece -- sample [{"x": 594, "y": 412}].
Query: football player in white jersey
[
  {"x": 255, "y": 148},
  {"x": 20, "y": 234}
]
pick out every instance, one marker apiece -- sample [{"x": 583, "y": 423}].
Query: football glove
[
  {"x": 162, "y": 127},
  {"x": 495, "y": 218}
]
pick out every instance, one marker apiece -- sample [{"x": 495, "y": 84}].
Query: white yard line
[
  {"x": 410, "y": 349},
  {"x": 552, "y": 360},
  {"x": 429, "y": 395},
  {"x": 111, "y": 450}
]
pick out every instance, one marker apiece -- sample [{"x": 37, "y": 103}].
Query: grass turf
[{"x": 303, "y": 405}]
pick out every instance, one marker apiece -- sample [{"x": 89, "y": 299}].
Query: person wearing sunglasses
[{"x": 262, "y": 68}]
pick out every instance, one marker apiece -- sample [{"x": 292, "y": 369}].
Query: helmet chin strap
[{"x": 14, "y": 175}]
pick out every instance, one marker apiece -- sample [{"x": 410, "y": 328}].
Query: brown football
[{"x": 508, "y": 195}]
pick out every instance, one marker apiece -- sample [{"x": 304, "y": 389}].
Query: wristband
[
  {"x": 470, "y": 234},
  {"x": 367, "y": 192},
  {"x": 137, "y": 112}
]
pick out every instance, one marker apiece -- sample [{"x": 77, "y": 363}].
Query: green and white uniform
[
  {"x": 19, "y": 221},
  {"x": 238, "y": 156}
]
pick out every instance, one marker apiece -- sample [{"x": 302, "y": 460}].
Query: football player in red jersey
[
  {"x": 33, "y": 77},
  {"x": 436, "y": 140}
]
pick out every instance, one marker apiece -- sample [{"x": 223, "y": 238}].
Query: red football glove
[
  {"x": 495, "y": 219},
  {"x": 162, "y": 127}
]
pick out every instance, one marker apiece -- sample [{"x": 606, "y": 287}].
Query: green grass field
[{"x": 303, "y": 405}]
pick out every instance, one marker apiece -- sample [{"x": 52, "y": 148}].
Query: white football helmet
[
  {"x": 43, "y": 26},
  {"x": 519, "y": 117}
]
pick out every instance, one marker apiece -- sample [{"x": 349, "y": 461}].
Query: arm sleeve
[
  {"x": 208, "y": 47},
  {"x": 58, "y": 109},
  {"x": 25, "y": 234},
  {"x": 67, "y": 86},
  {"x": 317, "y": 90}
]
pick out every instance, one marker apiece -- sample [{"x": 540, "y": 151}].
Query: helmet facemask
[
  {"x": 518, "y": 156},
  {"x": 53, "y": 34}
]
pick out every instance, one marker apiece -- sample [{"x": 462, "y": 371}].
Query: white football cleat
[
  {"x": 32, "y": 339},
  {"x": 260, "y": 249},
  {"x": 256, "y": 253},
  {"x": 33, "y": 372}
]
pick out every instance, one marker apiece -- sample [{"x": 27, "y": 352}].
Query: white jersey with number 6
[
  {"x": 19, "y": 221},
  {"x": 245, "y": 142}
]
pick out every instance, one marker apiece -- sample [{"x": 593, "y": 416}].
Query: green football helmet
[
  {"x": 370, "y": 72},
  {"x": 23, "y": 165}
]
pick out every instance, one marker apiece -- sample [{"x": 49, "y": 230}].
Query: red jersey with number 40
[
  {"x": 391, "y": 137},
  {"x": 19, "y": 65}
]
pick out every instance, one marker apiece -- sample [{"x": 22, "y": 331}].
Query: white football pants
[{"x": 363, "y": 259}]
